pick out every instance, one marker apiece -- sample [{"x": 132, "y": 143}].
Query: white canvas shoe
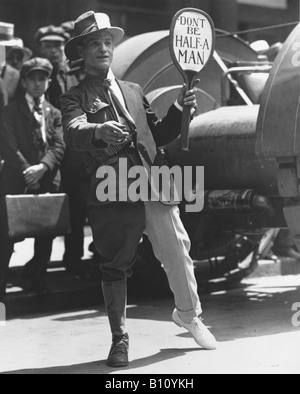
[{"x": 203, "y": 337}]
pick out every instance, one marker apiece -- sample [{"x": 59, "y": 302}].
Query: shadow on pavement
[
  {"x": 253, "y": 310},
  {"x": 100, "y": 368}
]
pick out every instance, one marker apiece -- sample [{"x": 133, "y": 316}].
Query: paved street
[{"x": 253, "y": 325}]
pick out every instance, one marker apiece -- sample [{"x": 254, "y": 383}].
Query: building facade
[{"x": 139, "y": 16}]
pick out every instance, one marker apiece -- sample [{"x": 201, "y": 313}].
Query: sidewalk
[
  {"x": 253, "y": 325},
  {"x": 24, "y": 250},
  {"x": 69, "y": 292}
]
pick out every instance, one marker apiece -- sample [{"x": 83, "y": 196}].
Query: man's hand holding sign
[{"x": 192, "y": 46}]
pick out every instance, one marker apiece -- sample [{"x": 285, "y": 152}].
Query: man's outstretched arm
[{"x": 168, "y": 129}]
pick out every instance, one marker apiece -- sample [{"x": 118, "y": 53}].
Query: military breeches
[{"x": 118, "y": 229}]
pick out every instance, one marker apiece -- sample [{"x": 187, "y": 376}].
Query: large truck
[{"x": 246, "y": 133}]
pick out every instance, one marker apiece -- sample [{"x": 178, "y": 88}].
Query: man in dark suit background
[
  {"x": 33, "y": 149},
  {"x": 108, "y": 120},
  {"x": 51, "y": 41}
]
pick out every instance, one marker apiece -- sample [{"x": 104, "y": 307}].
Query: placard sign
[{"x": 192, "y": 45}]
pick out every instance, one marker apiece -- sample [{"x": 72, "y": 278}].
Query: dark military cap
[
  {"x": 36, "y": 64},
  {"x": 52, "y": 33}
]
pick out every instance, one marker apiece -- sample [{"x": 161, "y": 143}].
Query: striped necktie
[
  {"x": 37, "y": 134},
  {"x": 119, "y": 108}
]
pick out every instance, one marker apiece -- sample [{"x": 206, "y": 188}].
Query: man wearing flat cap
[
  {"x": 52, "y": 40},
  {"x": 107, "y": 119},
  {"x": 33, "y": 149}
]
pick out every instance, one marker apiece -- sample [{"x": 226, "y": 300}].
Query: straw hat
[
  {"x": 7, "y": 38},
  {"x": 87, "y": 24}
]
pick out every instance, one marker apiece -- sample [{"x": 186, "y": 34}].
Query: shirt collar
[
  {"x": 30, "y": 99},
  {"x": 110, "y": 76}
]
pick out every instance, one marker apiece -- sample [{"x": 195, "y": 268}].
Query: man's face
[
  {"x": 53, "y": 51},
  {"x": 15, "y": 59},
  {"x": 36, "y": 83},
  {"x": 97, "y": 51}
]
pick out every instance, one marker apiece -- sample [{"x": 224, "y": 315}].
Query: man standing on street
[
  {"x": 107, "y": 119},
  {"x": 51, "y": 41},
  {"x": 33, "y": 149}
]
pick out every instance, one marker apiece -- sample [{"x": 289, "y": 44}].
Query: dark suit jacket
[
  {"x": 19, "y": 152},
  {"x": 83, "y": 111},
  {"x": 55, "y": 90}
]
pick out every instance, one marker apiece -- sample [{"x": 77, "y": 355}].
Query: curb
[{"x": 282, "y": 267}]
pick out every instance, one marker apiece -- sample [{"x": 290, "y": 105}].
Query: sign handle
[
  {"x": 192, "y": 42},
  {"x": 186, "y": 118},
  {"x": 185, "y": 140}
]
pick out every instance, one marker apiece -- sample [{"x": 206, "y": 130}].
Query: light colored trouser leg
[{"x": 171, "y": 246}]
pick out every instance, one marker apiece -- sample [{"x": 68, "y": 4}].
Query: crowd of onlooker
[{"x": 33, "y": 155}]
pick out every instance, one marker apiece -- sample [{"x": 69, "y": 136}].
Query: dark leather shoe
[{"x": 118, "y": 356}]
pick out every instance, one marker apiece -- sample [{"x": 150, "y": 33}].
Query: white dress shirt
[
  {"x": 117, "y": 91},
  {"x": 116, "y": 88}
]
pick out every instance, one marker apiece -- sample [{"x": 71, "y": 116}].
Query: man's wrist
[
  {"x": 97, "y": 133},
  {"x": 97, "y": 137},
  {"x": 178, "y": 106},
  {"x": 44, "y": 168}
]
